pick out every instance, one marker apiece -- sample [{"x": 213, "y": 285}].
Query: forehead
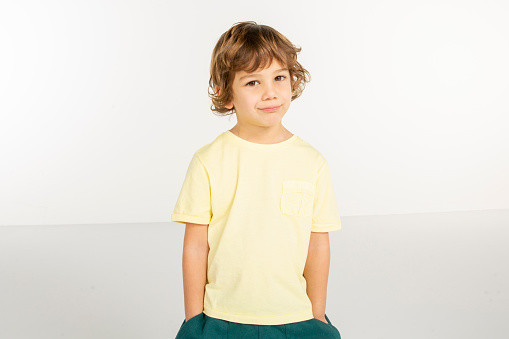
[{"x": 275, "y": 66}]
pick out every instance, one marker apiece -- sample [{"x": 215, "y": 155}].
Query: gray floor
[{"x": 440, "y": 275}]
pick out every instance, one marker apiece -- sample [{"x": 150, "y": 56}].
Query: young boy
[{"x": 257, "y": 202}]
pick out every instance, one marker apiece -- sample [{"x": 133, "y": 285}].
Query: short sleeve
[
  {"x": 325, "y": 209},
  {"x": 193, "y": 203}
]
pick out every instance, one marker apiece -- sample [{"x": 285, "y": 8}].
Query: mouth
[{"x": 270, "y": 109}]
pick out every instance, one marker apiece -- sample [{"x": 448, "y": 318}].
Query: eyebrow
[{"x": 255, "y": 74}]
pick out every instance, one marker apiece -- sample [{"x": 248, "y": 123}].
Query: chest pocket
[{"x": 297, "y": 198}]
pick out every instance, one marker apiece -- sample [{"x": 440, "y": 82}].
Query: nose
[{"x": 269, "y": 91}]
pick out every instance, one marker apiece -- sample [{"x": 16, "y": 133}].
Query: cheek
[{"x": 288, "y": 91}]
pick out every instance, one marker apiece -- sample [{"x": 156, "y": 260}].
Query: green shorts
[{"x": 202, "y": 326}]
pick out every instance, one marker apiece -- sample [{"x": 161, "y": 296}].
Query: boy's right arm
[{"x": 194, "y": 267}]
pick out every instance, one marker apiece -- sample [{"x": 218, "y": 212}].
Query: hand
[
  {"x": 322, "y": 319},
  {"x": 192, "y": 316}
]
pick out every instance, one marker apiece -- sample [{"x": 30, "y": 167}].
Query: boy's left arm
[{"x": 316, "y": 272}]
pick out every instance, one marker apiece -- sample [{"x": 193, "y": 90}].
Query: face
[{"x": 262, "y": 98}]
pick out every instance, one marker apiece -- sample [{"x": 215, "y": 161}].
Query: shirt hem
[
  {"x": 325, "y": 227},
  {"x": 259, "y": 320},
  {"x": 183, "y": 218}
]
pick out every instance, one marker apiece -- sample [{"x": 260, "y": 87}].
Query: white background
[{"x": 103, "y": 103}]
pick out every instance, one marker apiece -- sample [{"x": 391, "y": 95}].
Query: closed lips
[{"x": 272, "y": 108}]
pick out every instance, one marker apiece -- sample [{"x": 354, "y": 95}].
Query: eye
[
  {"x": 280, "y": 78},
  {"x": 252, "y": 83}
]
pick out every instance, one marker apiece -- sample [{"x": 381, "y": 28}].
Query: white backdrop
[{"x": 104, "y": 103}]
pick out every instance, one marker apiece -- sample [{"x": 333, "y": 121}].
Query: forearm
[
  {"x": 316, "y": 272},
  {"x": 194, "y": 272}
]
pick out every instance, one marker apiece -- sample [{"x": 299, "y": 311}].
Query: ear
[{"x": 230, "y": 104}]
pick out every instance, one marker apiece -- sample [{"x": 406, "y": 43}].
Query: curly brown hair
[{"x": 247, "y": 46}]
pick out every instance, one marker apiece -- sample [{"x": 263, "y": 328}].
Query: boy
[{"x": 257, "y": 202}]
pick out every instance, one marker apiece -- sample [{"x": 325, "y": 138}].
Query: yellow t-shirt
[{"x": 261, "y": 202}]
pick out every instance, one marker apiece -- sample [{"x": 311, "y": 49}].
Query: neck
[{"x": 262, "y": 136}]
